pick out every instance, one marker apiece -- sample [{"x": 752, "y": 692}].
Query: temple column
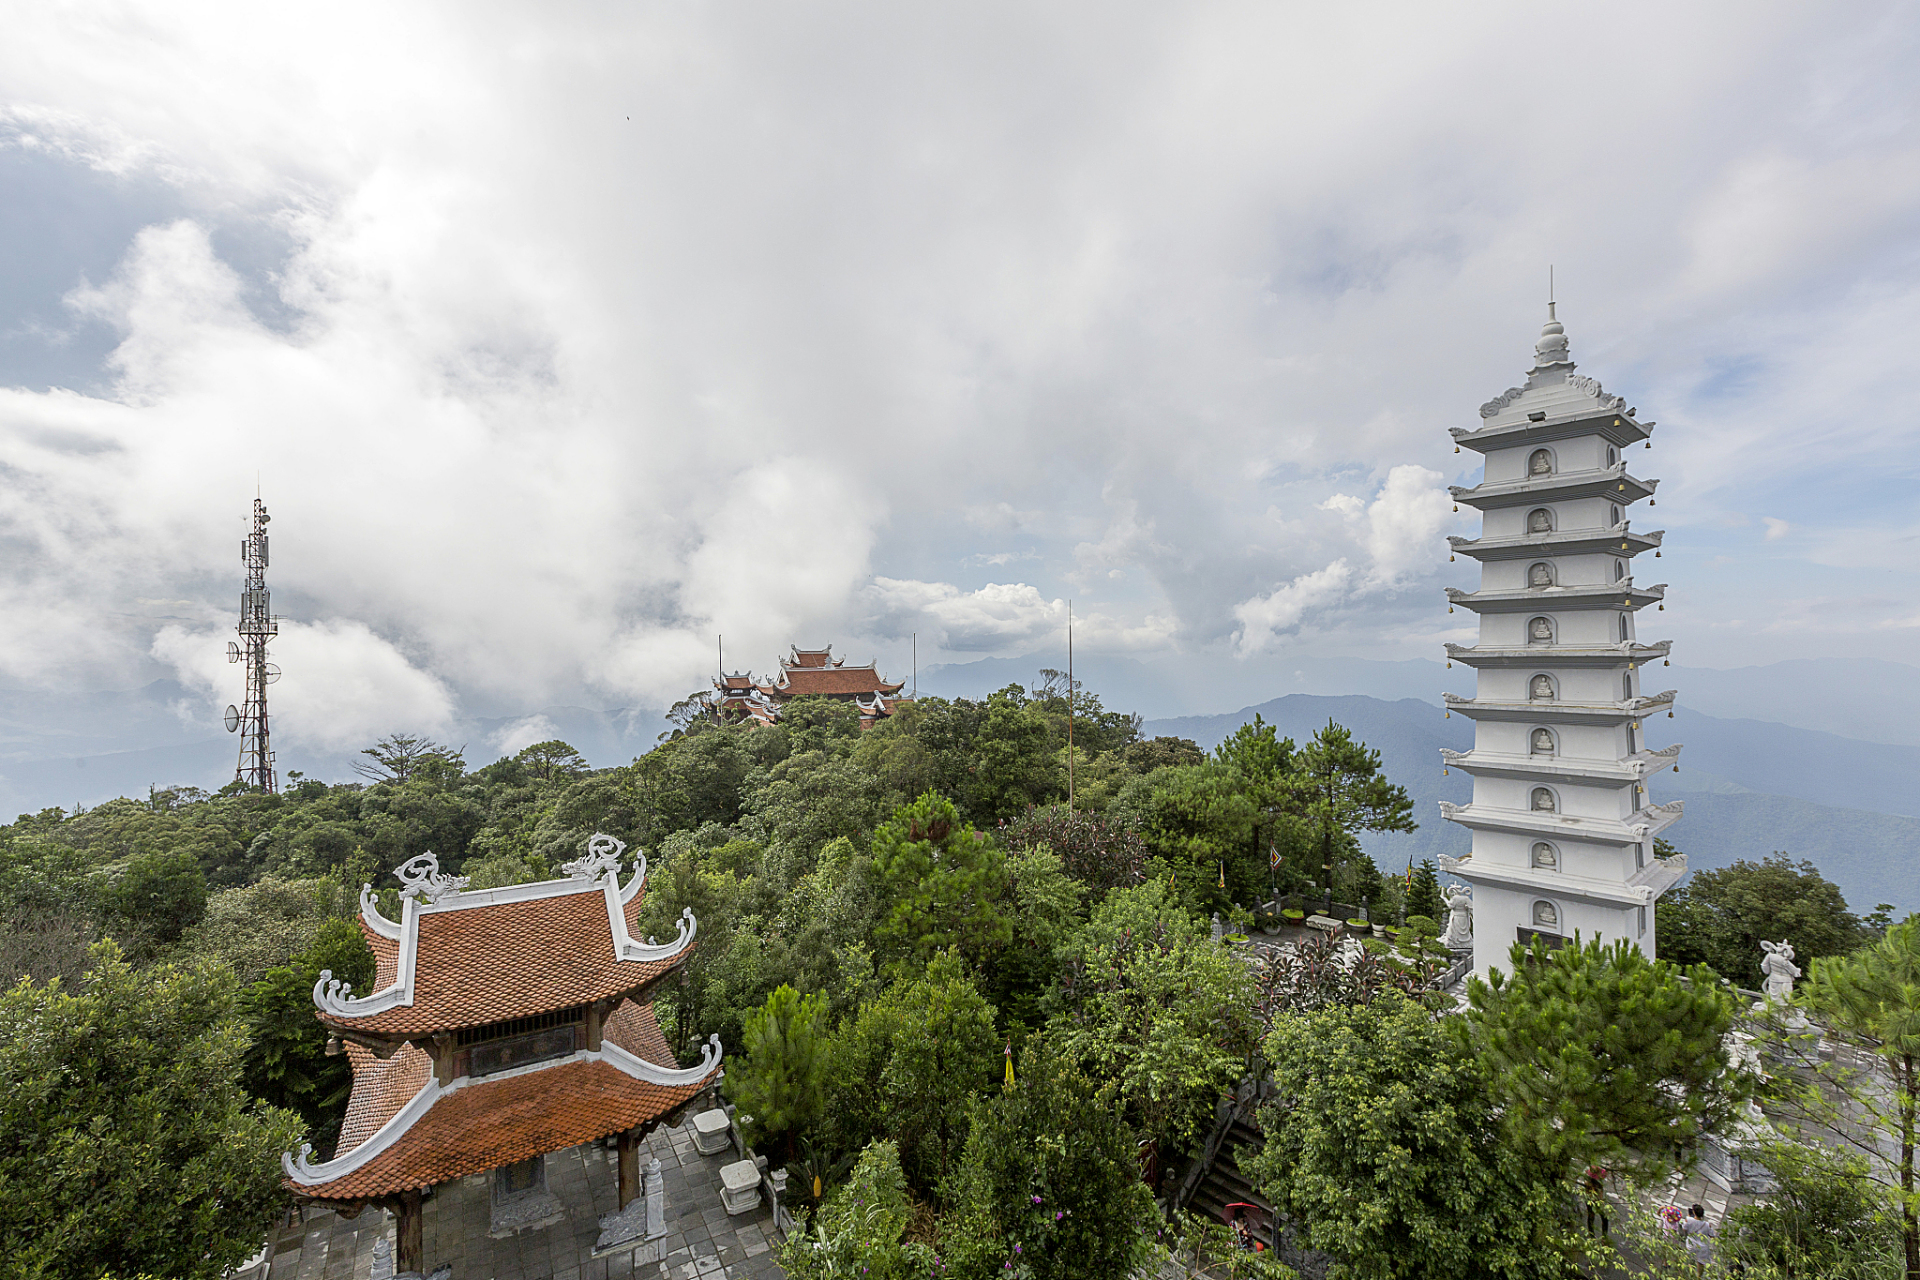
[
  {"x": 409, "y": 1244},
  {"x": 628, "y": 1147}
]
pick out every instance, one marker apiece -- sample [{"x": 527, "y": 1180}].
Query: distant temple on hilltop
[
  {"x": 809, "y": 673},
  {"x": 1563, "y": 826}
]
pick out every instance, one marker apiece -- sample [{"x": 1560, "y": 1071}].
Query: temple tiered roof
[
  {"x": 1618, "y": 540},
  {"x": 1600, "y": 482},
  {"x": 809, "y": 673},
  {"x": 504, "y": 1023},
  {"x": 1595, "y": 595}
]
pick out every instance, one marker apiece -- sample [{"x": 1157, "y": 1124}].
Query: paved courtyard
[{"x": 702, "y": 1242}]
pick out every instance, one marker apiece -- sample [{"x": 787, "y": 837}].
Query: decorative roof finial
[{"x": 1552, "y": 348}]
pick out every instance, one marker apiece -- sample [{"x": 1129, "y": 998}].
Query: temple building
[
  {"x": 504, "y": 1024},
  {"x": 1563, "y": 826},
  {"x": 808, "y": 673}
]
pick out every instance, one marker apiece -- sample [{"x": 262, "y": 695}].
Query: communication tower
[{"x": 257, "y": 626}]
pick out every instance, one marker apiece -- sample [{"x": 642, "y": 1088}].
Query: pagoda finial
[{"x": 1551, "y": 350}]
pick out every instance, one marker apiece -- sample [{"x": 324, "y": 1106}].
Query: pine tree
[
  {"x": 1424, "y": 898},
  {"x": 782, "y": 1089},
  {"x": 1601, "y": 1056}
]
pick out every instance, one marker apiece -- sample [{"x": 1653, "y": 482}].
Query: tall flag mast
[{"x": 257, "y": 626}]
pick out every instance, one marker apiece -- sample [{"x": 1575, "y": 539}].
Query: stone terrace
[{"x": 702, "y": 1242}]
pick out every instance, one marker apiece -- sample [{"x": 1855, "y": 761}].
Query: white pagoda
[{"x": 1563, "y": 826}]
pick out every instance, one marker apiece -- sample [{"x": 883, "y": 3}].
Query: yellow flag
[{"x": 1009, "y": 1068}]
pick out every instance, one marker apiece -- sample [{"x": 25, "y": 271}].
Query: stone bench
[
  {"x": 1325, "y": 924},
  {"x": 740, "y": 1187},
  {"x": 711, "y": 1131}
]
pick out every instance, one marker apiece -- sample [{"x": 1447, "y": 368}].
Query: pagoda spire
[{"x": 1551, "y": 351}]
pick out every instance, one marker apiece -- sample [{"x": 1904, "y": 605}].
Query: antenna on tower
[{"x": 257, "y": 626}]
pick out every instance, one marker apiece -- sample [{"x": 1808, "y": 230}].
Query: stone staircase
[{"x": 1222, "y": 1183}]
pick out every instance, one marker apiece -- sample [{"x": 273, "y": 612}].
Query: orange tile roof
[
  {"x": 833, "y": 681},
  {"x": 489, "y": 1123},
  {"x": 380, "y": 1089},
  {"x": 488, "y": 963}
]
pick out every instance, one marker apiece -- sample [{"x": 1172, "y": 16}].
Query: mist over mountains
[{"x": 1817, "y": 759}]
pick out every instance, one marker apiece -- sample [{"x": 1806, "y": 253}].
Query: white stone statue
[
  {"x": 1459, "y": 935},
  {"x": 1780, "y": 969}
]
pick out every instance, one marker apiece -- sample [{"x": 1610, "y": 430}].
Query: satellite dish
[
  {"x": 233, "y": 652},
  {"x": 233, "y": 717},
  {"x": 273, "y": 673}
]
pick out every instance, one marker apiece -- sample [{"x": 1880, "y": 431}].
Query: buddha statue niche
[
  {"x": 1540, "y": 631},
  {"x": 1540, "y": 463},
  {"x": 1543, "y": 800},
  {"x": 1540, "y": 575},
  {"x": 1544, "y": 856},
  {"x": 1540, "y": 520},
  {"x": 1544, "y": 916},
  {"x": 1540, "y": 689},
  {"x": 1542, "y": 741}
]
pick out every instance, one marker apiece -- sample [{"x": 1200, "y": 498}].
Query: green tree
[
  {"x": 1868, "y": 1001},
  {"x": 399, "y": 756},
  {"x": 551, "y": 761},
  {"x": 1385, "y": 1146},
  {"x": 860, "y": 1229},
  {"x": 159, "y": 896},
  {"x": 1200, "y": 822},
  {"x": 1339, "y": 791},
  {"x": 126, "y": 1142},
  {"x": 911, "y": 1065},
  {"x": 1099, "y": 852},
  {"x": 1150, "y": 1003},
  {"x": 1600, "y": 1056},
  {"x": 1424, "y": 898},
  {"x": 1049, "y": 1187},
  {"x": 1719, "y": 917},
  {"x": 1824, "y": 1217},
  {"x": 942, "y": 884},
  {"x": 286, "y": 1063},
  {"x": 783, "y": 1086}
]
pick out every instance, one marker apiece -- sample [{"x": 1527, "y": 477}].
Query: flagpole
[{"x": 1069, "y": 706}]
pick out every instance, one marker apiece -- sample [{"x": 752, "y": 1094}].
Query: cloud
[
  {"x": 342, "y": 686},
  {"x": 1264, "y": 619},
  {"x": 616, "y": 330},
  {"x": 513, "y": 738},
  {"x": 999, "y": 617},
  {"x": 1776, "y": 528}
]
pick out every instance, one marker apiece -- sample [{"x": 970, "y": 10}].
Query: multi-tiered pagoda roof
[
  {"x": 809, "y": 673},
  {"x": 503, "y": 1024}
]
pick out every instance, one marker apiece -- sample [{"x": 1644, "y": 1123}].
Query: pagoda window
[
  {"x": 1543, "y": 801},
  {"x": 502, "y": 1046},
  {"x": 1540, "y": 742},
  {"x": 1539, "y": 575},
  {"x": 1541, "y": 689},
  {"x": 1540, "y": 463},
  {"x": 1545, "y": 856},
  {"x": 1623, "y": 628},
  {"x": 1616, "y": 512},
  {"x": 1540, "y": 631},
  {"x": 1626, "y": 684},
  {"x": 1619, "y": 570},
  {"x": 1545, "y": 915},
  {"x": 1613, "y": 455},
  {"x": 1540, "y": 520}
]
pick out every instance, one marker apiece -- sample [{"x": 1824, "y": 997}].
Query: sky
[{"x": 562, "y": 339}]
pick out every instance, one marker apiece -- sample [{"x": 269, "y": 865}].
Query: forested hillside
[{"x": 895, "y": 925}]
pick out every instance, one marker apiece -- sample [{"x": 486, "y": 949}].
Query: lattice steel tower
[{"x": 257, "y": 626}]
